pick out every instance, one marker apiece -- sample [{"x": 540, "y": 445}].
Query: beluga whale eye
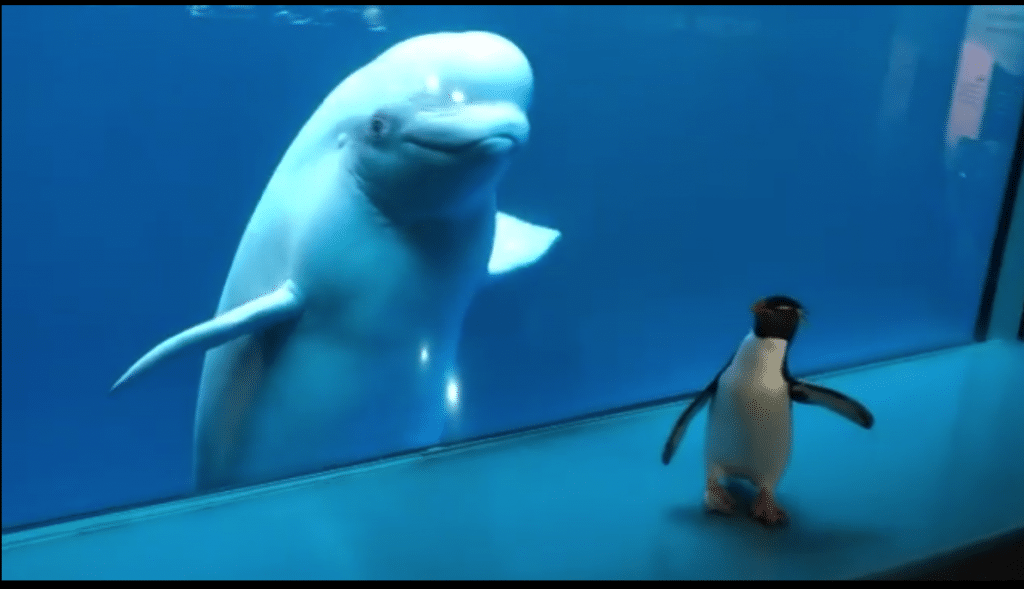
[{"x": 379, "y": 125}]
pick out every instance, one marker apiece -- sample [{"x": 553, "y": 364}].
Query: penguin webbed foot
[
  {"x": 767, "y": 511},
  {"x": 718, "y": 500}
]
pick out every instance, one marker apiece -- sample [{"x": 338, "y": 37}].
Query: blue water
[{"x": 694, "y": 158}]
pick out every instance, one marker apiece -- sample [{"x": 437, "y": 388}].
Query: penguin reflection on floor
[{"x": 749, "y": 430}]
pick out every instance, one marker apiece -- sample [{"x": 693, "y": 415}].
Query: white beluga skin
[
  {"x": 749, "y": 432},
  {"x": 336, "y": 334}
]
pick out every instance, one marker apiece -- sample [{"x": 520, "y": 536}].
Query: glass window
[{"x": 693, "y": 159}]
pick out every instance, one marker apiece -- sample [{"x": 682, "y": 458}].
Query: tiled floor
[{"x": 943, "y": 467}]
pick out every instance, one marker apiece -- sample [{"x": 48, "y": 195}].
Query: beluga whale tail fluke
[{"x": 337, "y": 330}]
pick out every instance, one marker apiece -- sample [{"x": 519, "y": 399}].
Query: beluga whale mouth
[
  {"x": 487, "y": 127},
  {"x": 500, "y": 143}
]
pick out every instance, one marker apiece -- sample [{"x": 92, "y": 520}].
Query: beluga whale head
[{"x": 426, "y": 130}]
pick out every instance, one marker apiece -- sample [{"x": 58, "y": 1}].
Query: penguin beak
[{"x": 803, "y": 316}]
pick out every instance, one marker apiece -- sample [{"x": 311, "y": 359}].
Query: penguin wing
[
  {"x": 679, "y": 429},
  {"x": 803, "y": 392}
]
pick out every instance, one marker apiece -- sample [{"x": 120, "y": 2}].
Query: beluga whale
[{"x": 336, "y": 335}]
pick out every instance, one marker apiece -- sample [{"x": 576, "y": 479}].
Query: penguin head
[{"x": 777, "y": 317}]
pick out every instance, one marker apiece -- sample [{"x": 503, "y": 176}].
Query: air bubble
[{"x": 372, "y": 17}]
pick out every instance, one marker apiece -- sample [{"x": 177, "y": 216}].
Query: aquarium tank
[{"x": 435, "y": 320}]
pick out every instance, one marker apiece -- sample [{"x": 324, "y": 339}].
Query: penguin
[{"x": 749, "y": 431}]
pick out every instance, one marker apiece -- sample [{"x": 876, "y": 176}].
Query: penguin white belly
[{"x": 749, "y": 430}]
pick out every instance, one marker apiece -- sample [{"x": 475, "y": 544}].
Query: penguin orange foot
[
  {"x": 766, "y": 510},
  {"x": 717, "y": 499}
]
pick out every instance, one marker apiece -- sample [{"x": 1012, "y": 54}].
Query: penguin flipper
[
  {"x": 684, "y": 420},
  {"x": 803, "y": 392}
]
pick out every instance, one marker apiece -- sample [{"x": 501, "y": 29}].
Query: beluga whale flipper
[{"x": 338, "y": 326}]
